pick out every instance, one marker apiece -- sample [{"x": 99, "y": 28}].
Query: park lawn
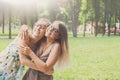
[
  {"x": 13, "y": 33},
  {"x": 91, "y": 59}
]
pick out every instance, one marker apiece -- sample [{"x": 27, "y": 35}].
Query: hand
[
  {"x": 23, "y": 34},
  {"x": 50, "y": 72},
  {"x": 24, "y": 50}
]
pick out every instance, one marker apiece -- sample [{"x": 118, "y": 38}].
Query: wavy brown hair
[{"x": 63, "y": 40}]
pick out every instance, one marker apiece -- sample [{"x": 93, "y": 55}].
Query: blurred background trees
[{"x": 81, "y": 16}]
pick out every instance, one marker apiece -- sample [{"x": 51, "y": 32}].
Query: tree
[
  {"x": 96, "y": 6},
  {"x": 53, "y": 8},
  {"x": 10, "y": 21},
  {"x": 3, "y": 20},
  {"x": 74, "y": 11},
  {"x": 3, "y": 15}
]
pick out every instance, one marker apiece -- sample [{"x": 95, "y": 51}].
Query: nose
[
  {"x": 39, "y": 28},
  {"x": 51, "y": 29}
]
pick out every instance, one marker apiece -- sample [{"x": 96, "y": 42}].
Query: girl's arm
[
  {"x": 23, "y": 38},
  {"x": 48, "y": 65},
  {"x": 27, "y": 62},
  {"x": 24, "y": 34}
]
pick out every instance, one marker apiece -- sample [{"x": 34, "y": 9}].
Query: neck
[
  {"x": 49, "y": 41},
  {"x": 35, "y": 38}
]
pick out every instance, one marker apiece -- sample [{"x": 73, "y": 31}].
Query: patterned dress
[{"x": 10, "y": 68}]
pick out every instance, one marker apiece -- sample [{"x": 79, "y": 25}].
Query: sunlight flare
[{"x": 42, "y": 3}]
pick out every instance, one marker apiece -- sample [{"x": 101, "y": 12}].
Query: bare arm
[
  {"x": 27, "y": 62},
  {"x": 44, "y": 67}
]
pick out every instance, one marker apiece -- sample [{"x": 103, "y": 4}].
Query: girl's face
[
  {"x": 52, "y": 31},
  {"x": 39, "y": 30}
]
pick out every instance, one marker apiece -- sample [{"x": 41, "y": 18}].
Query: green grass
[
  {"x": 91, "y": 59},
  {"x": 4, "y": 43},
  {"x": 6, "y": 32}
]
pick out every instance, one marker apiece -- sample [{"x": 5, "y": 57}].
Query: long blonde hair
[{"x": 63, "y": 40}]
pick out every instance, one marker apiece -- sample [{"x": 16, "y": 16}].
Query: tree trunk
[
  {"x": 104, "y": 20},
  {"x": 96, "y": 28},
  {"x": 84, "y": 26},
  {"x": 32, "y": 22},
  {"x": 23, "y": 20},
  {"x": 9, "y": 24},
  {"x": 53, "y": 10},
  {"x": 119, "y": 20},
  {"x": 109, "y": 24},
  {"x": 92, "y": 27},
  {"x": 115, "y": 25},
  {"x": 96, "y": 9},
  {"x": 52, "y": 15},
  {"x": 3, "y": 20},
  {"x": 74, "y": 26},
  {"x": 75, "y": 9}
]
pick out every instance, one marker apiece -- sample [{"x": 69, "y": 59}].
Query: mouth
[{"x": 36, "y": 33}]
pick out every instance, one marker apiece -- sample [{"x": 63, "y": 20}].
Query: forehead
[
  {"x": 55, "y": 25},
  {"x": 39, "y": 23},
  {"x": 42, "y": 22}
]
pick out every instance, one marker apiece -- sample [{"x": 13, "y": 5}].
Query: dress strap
[{"x": 48, "y": 52}]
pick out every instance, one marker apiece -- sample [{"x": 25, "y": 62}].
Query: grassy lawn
[
  {"x": 6, "y": 32},
  {"x": 91, "y": 59}
]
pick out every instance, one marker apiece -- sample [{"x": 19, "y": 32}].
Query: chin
[{"x": 46, "y": 35}]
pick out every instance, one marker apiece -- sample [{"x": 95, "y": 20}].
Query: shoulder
[
  {"x": 56, "y": 44},
  {"x": 56, "y": 49}
]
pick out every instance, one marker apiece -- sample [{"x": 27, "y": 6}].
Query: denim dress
[{"x": 10, "y": 68}]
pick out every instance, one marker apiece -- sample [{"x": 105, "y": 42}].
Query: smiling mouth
[{"x": 36, "y": 33}]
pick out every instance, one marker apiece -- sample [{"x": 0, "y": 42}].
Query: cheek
[
  {"x": 42, "y": 32},
  {"x": 56, "y": 36},
  {"x": 53, "y": 36},
  {"x": 47, "y": 33}
]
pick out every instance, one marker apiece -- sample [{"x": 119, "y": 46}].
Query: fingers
[
  {"x": 26, "y": 35},
  {"x": 20, "y": 49},
  {"x": 23, "y": 27},
  {"x": 21, "y": 46},
  {"x": 34, "y": 29},
  {"x": 23, "y": 50},
  {"x": 22, "y": 35},
  {"x": 23, "y": 32},
  {"x": 50, "y": 72}
]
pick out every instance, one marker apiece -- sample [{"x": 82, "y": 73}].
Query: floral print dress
[{"x": 10, "y": 68}]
